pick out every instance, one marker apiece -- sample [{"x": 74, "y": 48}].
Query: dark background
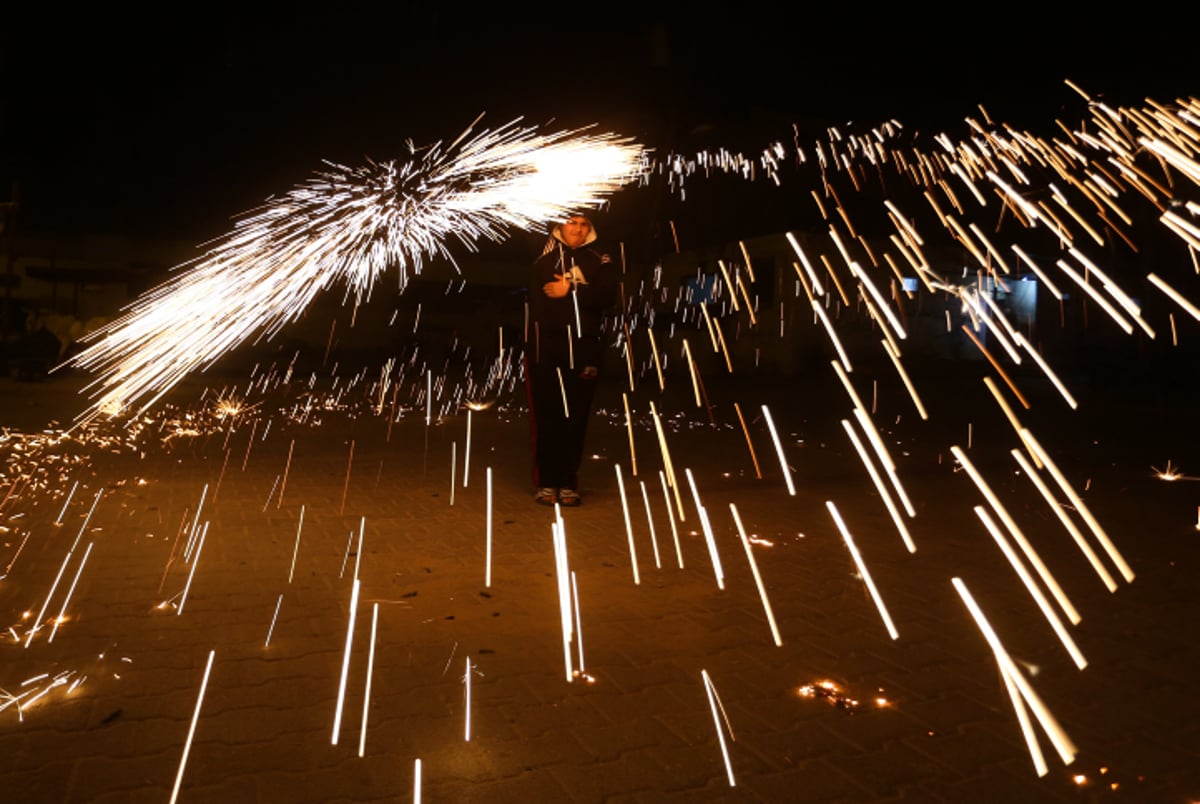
[{"x": 137, "y": 125}]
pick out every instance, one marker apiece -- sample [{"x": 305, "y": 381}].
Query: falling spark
[
  {"x": 296, "y": 549},
  {"x": 578, "y": 633},
  {"x": 362, "y": 738},
  {"x": 637, "y": 580},
  {"x": 1062, "y": 743},
  {"x": 1044, "y": 605},
  {"x": 487, "y": 575},
  {"x": 70, "y": 591},
  {"x": 1043, "y": 572},
  {"x": 787, "y": 473},
  {"x": 862, "y": 570},
  {"x": 341, "y": 697},
  {"x": 192, "y": 572},
  {"x": 650, "y": 522},
  {"x": 883, "y": 493},
  {"x": 187, "y": 746},
  {"x": 74, "y": 485},
  {"x": 713, "y": 701},
  {"x": 346, "y": 487},
  {"x": 671, "y": 518},
  {"x": 706, "y": 526},
  {"x": 274, "y": 617},
  {"x": 762, "y": 592},
  {"x": 467, "y": 708}
]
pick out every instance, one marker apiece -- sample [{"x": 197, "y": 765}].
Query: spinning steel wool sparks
[{"x": 346, "y": 226}]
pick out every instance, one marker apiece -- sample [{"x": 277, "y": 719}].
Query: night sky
[{"x": 142, "y": 127}]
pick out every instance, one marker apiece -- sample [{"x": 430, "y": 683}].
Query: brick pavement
[{"x": 639, "y": 727}]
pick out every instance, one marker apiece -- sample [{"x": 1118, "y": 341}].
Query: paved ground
[{"x": 237, "y": 540}]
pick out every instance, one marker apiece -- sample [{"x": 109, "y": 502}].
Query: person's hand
[{"x": 558, "y": 288}]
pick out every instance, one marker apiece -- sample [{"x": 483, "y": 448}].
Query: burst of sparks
[{"x": 346, "y": 225}]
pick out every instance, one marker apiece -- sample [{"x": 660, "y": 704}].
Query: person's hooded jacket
[{"x": 568, "y": 331}]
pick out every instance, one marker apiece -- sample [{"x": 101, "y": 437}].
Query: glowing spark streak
[
  {"x": 749, "y": 443},
  {"x": 725, "y": 348},
  {"x": 709, "y": 538},
  {"x": 671, "y": 518},
  {"x": 657, "y": 362},
  {"x": 1036, "y": 593},
  {"x": 563, "y": 388},
  {"x": 1181, "y": 227},
  {"x": 880, "y": 487},
  {"x": 1050, "y": 286},
  {"x": 1005, "y": 331},
  {"x": 1100, "y": 300},
  {"x": 629, "y": 429},
  {"x": 749, "y": 306},
  {"x": 862, "y": 570},
  {"x": 650, "y": 521},
  {"x": 453, "y": 469},
  {"x": 487, "y": 575},
  {"x": 467, "y": 451},
  {"x": 417, "y": 781},
  {"x": 192, "y": 572},
  {"x": 286, "y": 468},
  {"x": 1062, "y": 743},
  {"x": 88, "y": 519},
  {"x": 1030, "y": 554},
  {"x": 667, "y": 464},
  {"x": 70, "y": 591},
  {"x": 467, "y": 682},
  {"x": 1045, "y": 367},
  {"x": 762, "y": 592},
  {"x": 71, "y": 494},
  {"x": 712, "y": 336},
  {"x": 1175, "y": 296},
  {"x": 628, "y": 525},
  {"x": 346, "y": 487},
  {"x": 883, "y": 306},
  {"x": 1121, "y": 296},
  {"x": 296, "y": 549},
  {"x": 1084, "y": 547},
  {"x": 1007, "y": 380},
  {"x": 362, "y": 526},
  {"x": 1014, "y": 696},
  {"x": 787, "y": 474},
  {"x": 562, "y": 573},
  {"x": 578, "y": 624},
  {"x": 729, "y": 285},
  {"x": 38, "y": 620},
  {"x": 692, "y": 368},
  {"x": 341, "y": 697},
  {"x": 1174, "y": 157},
  {"x": 187, "y": 746},
  {"x": 990, "y": 248},
  {"x": 912, "y": 392},
  {"x": 711, "y": 692},
  {"x": 274, "y": 617},
  {"x": 832, "y": 335},
  {"x": 362, "y": 737},
  {"x": 346, "y": 554},
  {"x": 1079, "y": 504}
]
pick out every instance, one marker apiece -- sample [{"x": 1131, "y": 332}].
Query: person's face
[{"x": 575, "y": 230}]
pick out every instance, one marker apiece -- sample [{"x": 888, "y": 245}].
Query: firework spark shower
[{"x": 347, "y": 226}]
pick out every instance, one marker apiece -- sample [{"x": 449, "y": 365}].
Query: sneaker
[
  {"x": 546, "y": 496},
  {"x": 569, "y": 497}
]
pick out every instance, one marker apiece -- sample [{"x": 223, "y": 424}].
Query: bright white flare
[{"x": 347, "y": 225}]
